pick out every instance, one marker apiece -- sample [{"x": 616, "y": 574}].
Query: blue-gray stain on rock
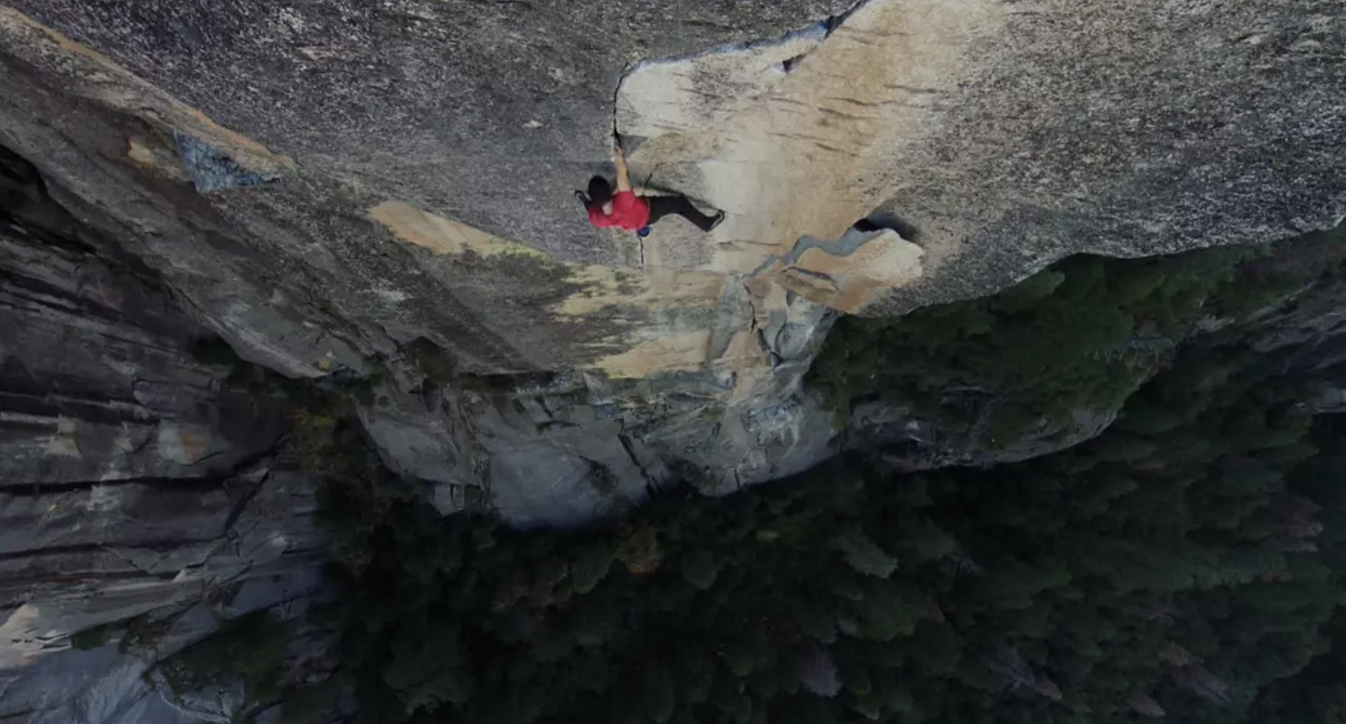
[{"x": 214, "y": 170}]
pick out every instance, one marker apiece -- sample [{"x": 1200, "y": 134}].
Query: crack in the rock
[
  {"x": 27, "y": 489},
  {"x": 157, "y": 546},
  {"x": 122, "y": 552},
  {"x": 827, "y": 25},
  {"x": 41, "y": 404},
  {"x": 651, "y": 485},
  {"x": 262, "y": 472}
]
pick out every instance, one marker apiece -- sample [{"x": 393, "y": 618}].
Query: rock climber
[{"x": 626, "y": 210}]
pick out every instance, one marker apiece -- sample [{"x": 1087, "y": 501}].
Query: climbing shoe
[{"x": 719, "y": 216}]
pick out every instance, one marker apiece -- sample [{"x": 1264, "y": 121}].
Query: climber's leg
[{"x": 661, "y": 206}]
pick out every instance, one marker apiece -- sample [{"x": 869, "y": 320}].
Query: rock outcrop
[
  {"x": 133, "y": 483},
  {"x": 325, "y": 185}
]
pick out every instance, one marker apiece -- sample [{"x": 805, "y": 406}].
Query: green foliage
[
  {"x": 435, "y": 365},
  {"x": 1080, "y": 336},
  {"x": 143, "y": 634},
  {"x": 311, "y": 434},
  {"x": 863, "y": 554},
  {"x": 699, "y": 569},
  {"x": 91, "y": 638},
  {"x": 638, "y": 547},
  {"x": 309, "y": 704},
  {"x": 248, "y": 649},
  {"x": 591, "y": 565},
  {"x": 427, "y": 669}
]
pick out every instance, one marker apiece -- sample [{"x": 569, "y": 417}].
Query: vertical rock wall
[{"x": 134, "y": 484}]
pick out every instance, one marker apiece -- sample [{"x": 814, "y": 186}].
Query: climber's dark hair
[{"x": 600, "y": 191}]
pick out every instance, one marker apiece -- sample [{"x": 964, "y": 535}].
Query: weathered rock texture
[
  {"x": 131, "y": 480},
  {"x": 323, "y": 183},
  {"x": 420, "y": 158},
  {"x": 1006, "y": 134},
  {"x": 403, "y": 172}
]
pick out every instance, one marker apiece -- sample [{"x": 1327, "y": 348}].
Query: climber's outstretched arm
[{"x": 619, "y": 160}]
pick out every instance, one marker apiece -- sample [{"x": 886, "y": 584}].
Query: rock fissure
[
  {"x": 810, "y": 34},
  {"x": 40, "y": 489},
  {"x": 157, "y": 546}
]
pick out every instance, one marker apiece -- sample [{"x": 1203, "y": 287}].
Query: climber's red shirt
[{"x": 629, "y": 212}]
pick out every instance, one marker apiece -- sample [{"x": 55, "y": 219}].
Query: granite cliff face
[
  {"x": 134, "y": 484},
  {"x": 325, "y": 183},
  {"x": 336, "y": 187}
]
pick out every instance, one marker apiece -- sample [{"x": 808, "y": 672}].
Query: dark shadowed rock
[{"x": 133, "y": 483}]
